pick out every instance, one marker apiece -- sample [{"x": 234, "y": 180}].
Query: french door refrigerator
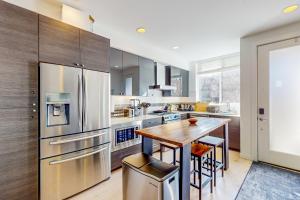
[{"x": 74, "y": 130}]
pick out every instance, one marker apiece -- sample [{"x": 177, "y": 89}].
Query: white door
[{"x": 279, "y": 103}]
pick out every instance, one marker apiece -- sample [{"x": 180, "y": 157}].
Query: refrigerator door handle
[
  {"x": 77, "y": 139},
  {"x": 79, "y": 96},
  {"x": 77, "y": 157},
  {"x": 84, "y": 100}
]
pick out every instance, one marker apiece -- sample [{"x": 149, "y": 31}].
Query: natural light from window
[{"x": 219, "y": 82}]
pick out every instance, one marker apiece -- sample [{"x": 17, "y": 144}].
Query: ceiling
[{"x": 201, "y": 28}]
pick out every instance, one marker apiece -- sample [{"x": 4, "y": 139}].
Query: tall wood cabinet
[
  {"x": 95, "y": 51},
  {"x": 60, "y": 43},
  {"x": 18, "y": 100}
]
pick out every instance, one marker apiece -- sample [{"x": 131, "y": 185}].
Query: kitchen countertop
[
  {"x": 123, "y": 120},
  {"x": 209, "y": 113}
]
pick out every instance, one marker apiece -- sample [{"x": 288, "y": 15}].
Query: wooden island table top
[{"x": 181, "y": 133}]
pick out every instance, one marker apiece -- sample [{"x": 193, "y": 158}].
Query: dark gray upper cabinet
[
  {"x": 146, "y": 70},
  {"x": 130, "y": 74},
  {"x": 185, "y": 82},
  {"x": 116, "y": 71}
]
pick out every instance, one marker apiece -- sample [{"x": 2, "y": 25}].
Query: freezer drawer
[
  {"x": 66, "y": 175},
  {"x": 96, "y": 100},
  {"x": 60, "y": 100},
  {"x": 60, "y": 145}
]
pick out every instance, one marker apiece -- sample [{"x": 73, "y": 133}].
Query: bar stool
[
  {"x": 169, "y": 146},
  {"x": 202, "y": 153},
  {"x": 214, "y": 142}
]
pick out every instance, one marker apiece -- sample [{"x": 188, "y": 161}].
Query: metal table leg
[
  {"x": 184, "y": 172},
  {"x": 226, "y": 146},
  {"x": 147, "y": 145}
]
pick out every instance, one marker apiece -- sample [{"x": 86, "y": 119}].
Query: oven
[
  {"x": 171, "y": 117},
  {"x": 123, "y": 135}
]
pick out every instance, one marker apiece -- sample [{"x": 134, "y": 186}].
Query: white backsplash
[{"x": 120, "y": 100}]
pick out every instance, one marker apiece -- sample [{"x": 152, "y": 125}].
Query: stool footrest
[
  {"x": 204, "y": 183},
  {"x": 219, "y": 164}
]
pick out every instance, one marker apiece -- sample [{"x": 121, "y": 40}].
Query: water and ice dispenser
[{"x": 58, "y": 109}]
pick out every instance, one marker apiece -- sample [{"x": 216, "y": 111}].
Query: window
[
  {"x": 219, "y": 81},
  {"x": 209, "y": 85},
  {"x": 231, "y": 86}
]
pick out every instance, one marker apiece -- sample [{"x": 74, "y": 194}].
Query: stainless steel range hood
[{"x": 162, "y": 78}]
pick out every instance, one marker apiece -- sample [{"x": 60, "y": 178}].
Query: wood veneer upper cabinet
[
  {"x": 58, "y": 42},
  {"x": 18, "y": 94},
  {"x": 18, "y": 56},
  {"x": 95, "y": 51}
]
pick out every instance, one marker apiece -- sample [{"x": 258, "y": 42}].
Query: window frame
[{"x": 220, "y": 70}]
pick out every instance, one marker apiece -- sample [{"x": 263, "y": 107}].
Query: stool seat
[
  {"x": 200, "y": 149},
  {"x": 209, "y": 140}
]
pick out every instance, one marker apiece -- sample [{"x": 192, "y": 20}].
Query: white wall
[
  {"x": 117, "y": 100},
  {"x": 249, "y": 82},
  {"x": 45, "y": 7}
]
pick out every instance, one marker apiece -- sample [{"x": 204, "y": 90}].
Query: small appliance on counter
[
  {"x": 136, "y": 105},
  {"x": 130, "y": 112},
  {"x": 147, "y": 178},
  {"x": 185, "y": 107}
]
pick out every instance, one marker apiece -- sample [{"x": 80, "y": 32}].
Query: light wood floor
[{"x": 226, "y": 189}]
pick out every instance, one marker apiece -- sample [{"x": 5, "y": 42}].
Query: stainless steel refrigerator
[{"x": 74, "y": 130}]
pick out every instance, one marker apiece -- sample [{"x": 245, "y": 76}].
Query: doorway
[{"x": 279, "y": 103}]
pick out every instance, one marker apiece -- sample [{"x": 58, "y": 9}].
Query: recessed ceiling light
[
  {"x": 175, "y": 47},
  {"x": 290, "y": 9},
  {"x": 117, "y": 66},
  {"x": 141, "y": 30}
]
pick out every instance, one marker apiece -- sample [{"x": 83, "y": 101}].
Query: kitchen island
[{"x": 182, "y": 134}]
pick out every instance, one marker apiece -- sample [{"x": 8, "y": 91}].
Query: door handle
[
  {"x": 76, "y": 157},
  {"x": 76, "y": 139},
  {"x": 262, "y": 119}
]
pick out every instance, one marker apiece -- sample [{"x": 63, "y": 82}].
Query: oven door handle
[
  {"x": 76, "y": 139},
  {"x": 55, "y": 162}
]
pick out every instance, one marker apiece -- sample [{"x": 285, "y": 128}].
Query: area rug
[{"x": 266, "y": 182}]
